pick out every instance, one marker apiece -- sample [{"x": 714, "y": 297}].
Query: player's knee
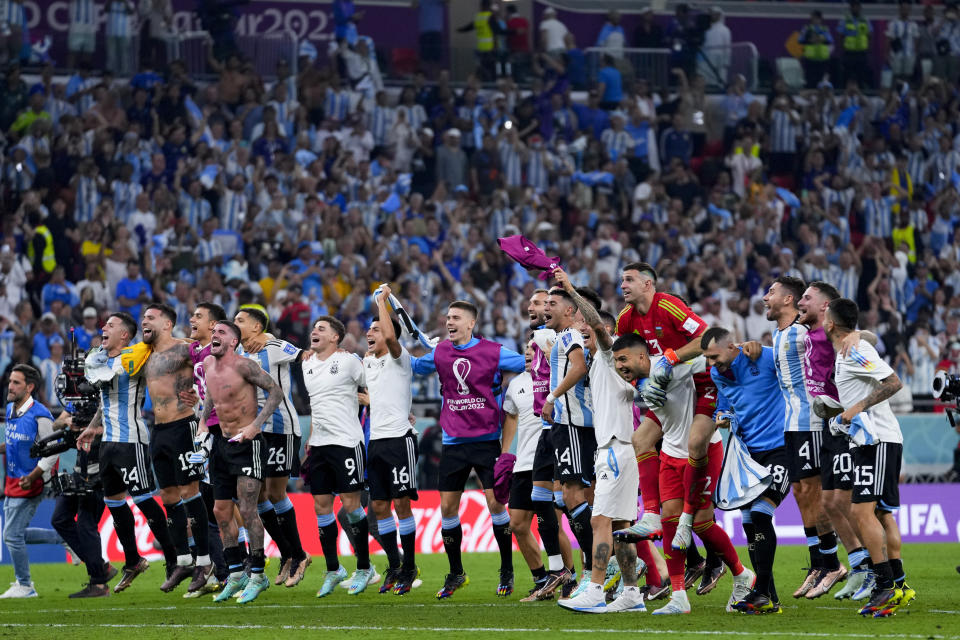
[
  {"x": 519, "y": 523},
  {"x": 381, "y": 508},
  {"x": 402, "y": 507}
]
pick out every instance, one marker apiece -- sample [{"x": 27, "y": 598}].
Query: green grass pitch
[{"x": 144, "y": 613}]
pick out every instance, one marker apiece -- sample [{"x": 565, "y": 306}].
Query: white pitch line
[
  {"x": 188, "y": 607},
  {"x": 945, "y": 611},
  {"x": 252, "y": 627}
]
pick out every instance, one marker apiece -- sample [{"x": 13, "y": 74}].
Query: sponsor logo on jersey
[{"x": 289, "y": 348}]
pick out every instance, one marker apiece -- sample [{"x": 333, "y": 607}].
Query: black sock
[
  {"x": 388, "y": 542},
  {"x": 216, "y": 551},
  {"x": 896, "y": 568},
  {"x": 197, "y": 512},
  {"x": 712, "y": 560},
  {"x": 408, "y": 541},
  {"x": 583, "y": 531},
  {"x": 157, "y": 520},
  {"x": 539, "y": 574},
  {"x": 257, "y": 561},
  {"x": 291, "y": 534},
  {"x": 124, "y": 525},
  {"x": 693, "y": 556},
  {"x": 328, "y": 542},
  {"x": 177, "y": 525},
  {"x": 765, "y": 549},
  {"x": 884, "y": 574},
  {"x": 233, "y": 559},
  {"x": 244, "y": 553},
  {"x": 272, "y": 526},
  {"x": 828, "y": 551},
  {"x": 813, "y": 546},
  {"x": 361, "y": 539},
  {"x": 452, "y": 539},
  {"x": 748, "y": 530},
  {"x": 548, "y": 526},
  {"x": 501, "y": 532}
]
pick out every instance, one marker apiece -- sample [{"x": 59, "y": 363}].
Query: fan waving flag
[{"x": 529, "y": 255}]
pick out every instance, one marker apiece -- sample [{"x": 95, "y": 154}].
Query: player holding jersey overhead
[
  {"x": 673, "y": 410},
  {"x": 124, "y": 450},
  {"x": 865, "y": 383},
  {"x": 671, "y": 330},
  {"x": 803, "y": 431},
  {"x": 392, "y": 452},
  {"x": 568, "y": 406},
  {"x": 281, "y": 439},
  {"x": 336, "y": 459},
  {"x": 836, "y": 472},
  {"x": 471, "y": 372}
]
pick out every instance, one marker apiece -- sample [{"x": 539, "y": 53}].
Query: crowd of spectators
[{"x": 304, "y": 192}]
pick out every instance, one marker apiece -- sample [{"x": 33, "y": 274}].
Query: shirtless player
[
  {"x": 169, "y": 372},
  {"x": 232, "y": 383}
]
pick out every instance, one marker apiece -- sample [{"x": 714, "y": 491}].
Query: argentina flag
[{"x": 742, "y": 479}]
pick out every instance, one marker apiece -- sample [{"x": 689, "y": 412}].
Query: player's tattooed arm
[
  {"x": 589, "y": 312},
  {"x": 205, "y": 414},
  {"x": 252, "y": 373},
  {"x": 888, "y": 387}
]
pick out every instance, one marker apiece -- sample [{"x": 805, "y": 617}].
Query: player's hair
[
  {"x": 642, "y": 267},
  {"x": 844, "y": 312},
  {"x": 214, "y": 310},
  {"x": 561, "y": 293},
  {"x": 591, "y": 296},
  {"x": 463, "y": 305},
  {"x": 630, "y": 341},
  {"x": 127, "y": 321},
  {"x": 794, "y": 287},
  {"x": 165, "y": 309},
  {"x": 30, "y": 375},
  {"x": 233, "y": 327},
  {"x": 336, "y": 325},
  {"x": 607, "y": 319},
  {"x": 826, "y": 289},
  {"x": 713, "y": 334},
  {"x": 394, "y": 322},
  {"x": 257, "y": 315},
  {"x": 536, "y": 291}
]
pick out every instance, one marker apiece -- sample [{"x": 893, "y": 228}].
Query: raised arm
[
  {"x": 386, "y": 324},
  {"x": 590, "y": 314}
]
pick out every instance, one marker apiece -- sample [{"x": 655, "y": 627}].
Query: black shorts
[
  {"x": 836, "y": 471},
  {"x": 335, "y": 469},
  {"x": 775, "y": 461},
  {"x": 170, "y": 445},
  {"x": 457, "y": 460},
  {"x": 520, "y": 489},
  {"x": 876, "y": 474},
  {"x": 574, "y": 450},
  {"x": 125, "y": 467},
  {"x": 282, "y": 452},
  {"x": 234, "y": 459},
  {"x": 803, "y": 454},
  {"x": 544, "y": 463},
  {"x": 392, "y": 468}
]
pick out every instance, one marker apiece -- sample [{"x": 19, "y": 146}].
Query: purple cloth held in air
[
  {"x": 528, "y": 255},
  {"x": 503, "y": 476}
]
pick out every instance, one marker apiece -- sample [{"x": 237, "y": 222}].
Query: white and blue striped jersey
[
  {"x": 878, "y": 216},
  {"x": 511, "y": 164},
  {"x": 88, "y": 197},
  {"x": 379, "y": 123},
  {"x": 538, "y": 175},
  {"x": 125, "y": 198},
  {"x": 120, "y": 19},
  {"x": 83, "y": 16},
  {"x": 194, "y": 210},
  {"x": 783, "y": 132},
  {"x": 337, "y": 104},
  {"x": 233, "y": 210},
  {"x": 848, "y": 283},
  {"x": 573, "y": 407},
  {"x": 416, "y": 115},
  {"x": 121, "y": 402},
  {"x": 275, "y": 359},
  {"x": 789, "y": 352}
]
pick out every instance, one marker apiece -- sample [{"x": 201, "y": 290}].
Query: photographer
[
  {"x": 27, "y": 420},
  {"x": 76, "y": 516}
]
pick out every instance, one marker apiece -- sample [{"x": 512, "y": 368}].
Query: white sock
[{"x": 554, "y": 563}]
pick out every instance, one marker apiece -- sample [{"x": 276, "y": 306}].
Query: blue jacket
[{"x": 751, "y": 391}]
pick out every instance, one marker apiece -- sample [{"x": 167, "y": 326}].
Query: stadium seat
[{"x": 404, "y": 60}]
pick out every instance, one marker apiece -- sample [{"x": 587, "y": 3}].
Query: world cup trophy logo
[{"x": 461, "y": 369}]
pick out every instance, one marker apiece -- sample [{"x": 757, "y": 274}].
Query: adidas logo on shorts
[
  {"x": 845, "y": 478},
  {"x": 806, "y": 467},
  {"x": 865, "y": 492}
]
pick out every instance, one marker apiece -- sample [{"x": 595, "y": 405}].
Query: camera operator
[
  {"x": 76, "y": 516},
  {"x": 26, "y": 421}
]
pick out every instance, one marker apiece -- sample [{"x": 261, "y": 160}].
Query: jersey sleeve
[
  {"x": 424, "y": 365},
  {"x": 569, "y": 340},
  {"x": 281, "y": 351},
  {"x": 864, "y": 362},
  {"x": 512, "y": 361},
  {"x": 623, "y": 321},
  {"x": 544, "y": 338},
  {"x": 359, "y": 375},
  {"x": 681, "y": 316},
  {"x": 509, "y": 402}
]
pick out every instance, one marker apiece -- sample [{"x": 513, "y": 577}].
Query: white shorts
[{"x": 615, "y": 492}]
